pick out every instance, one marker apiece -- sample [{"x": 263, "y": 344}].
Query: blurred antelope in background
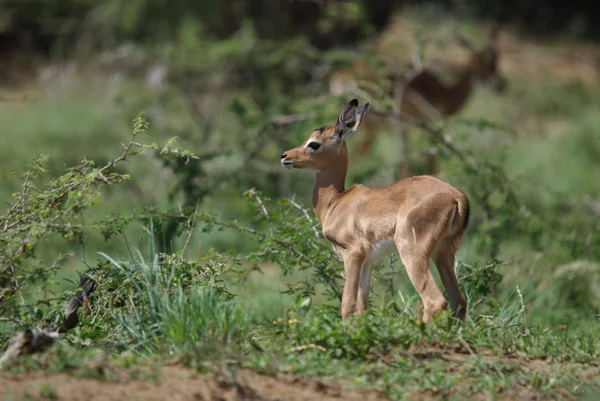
[
  {"x": 420, "y": 217},
  {"x": 422, "y": 94}
]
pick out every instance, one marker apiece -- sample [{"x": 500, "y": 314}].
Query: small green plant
[
  {"x": 478, "y": 280},
  {"x": 48, "y": 392},
  {"x": 178, "y": 308}
]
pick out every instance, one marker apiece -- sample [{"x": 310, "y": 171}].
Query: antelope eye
[{"x": 314, "y": 145}]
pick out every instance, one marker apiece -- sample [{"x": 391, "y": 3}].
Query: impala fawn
[
  {"x": 424, "y": 96},
  {"x": 421, "y": 218}
]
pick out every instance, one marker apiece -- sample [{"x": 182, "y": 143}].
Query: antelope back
[{"x": 361, "y": 78}]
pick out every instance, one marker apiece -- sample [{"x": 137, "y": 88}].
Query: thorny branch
[
  {"x": 10, "y": 223},
  {"x": 438, "y": 134},
  {"x": 330, "y": 280},
  {"x": 276, "y": 121},
  {"x": 284, "y": 244},
  {"x": 306, "y": 214},
  {"x": 183, "y": 155},
  {"x": 14, "y": 222},
  {"x": 261, "y": 204}
]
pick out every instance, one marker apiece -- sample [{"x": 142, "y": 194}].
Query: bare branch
[
  {"x": 306, "y": 214},
  {"x": 292, "y": 118},
  {"x": 192, "y": 225},
  {"x": 261, "y": 204},
  {"x": 330, "y": 280},
  {"x": 27, "y": 342},
  {"x": 177, "y": 152},
  {"x": 435, "y": 132},
  {"x": 284, "y": 244}
]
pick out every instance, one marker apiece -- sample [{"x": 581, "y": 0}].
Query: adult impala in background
[
  {"x": 423, "y": 95},
  {"x": 421, "y": 218}
]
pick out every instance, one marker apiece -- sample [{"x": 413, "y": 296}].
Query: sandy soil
[{"x": 176, "y": 384}]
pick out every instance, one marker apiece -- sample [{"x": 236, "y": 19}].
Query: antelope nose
[{"x": 285, "y": 163}]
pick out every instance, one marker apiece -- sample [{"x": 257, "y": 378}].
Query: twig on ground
[{"x": 27, "y": 342}]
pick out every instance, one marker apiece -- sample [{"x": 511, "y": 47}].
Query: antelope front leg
[{"x": 352, "y": 272}]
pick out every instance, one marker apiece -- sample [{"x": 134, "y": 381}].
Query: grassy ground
[
  {"x": 492, "y": 356},
  {"x": 538, "y": 340}
]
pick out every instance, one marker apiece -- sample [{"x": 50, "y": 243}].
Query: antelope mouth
[{"x": 286, "y": 164}]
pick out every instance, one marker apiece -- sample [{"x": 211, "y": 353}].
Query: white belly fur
[{"x": 381, "y": 249}]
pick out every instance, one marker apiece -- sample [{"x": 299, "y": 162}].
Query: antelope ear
[{"x": 350, "y": 118}]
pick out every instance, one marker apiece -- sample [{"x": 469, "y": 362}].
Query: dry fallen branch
[
  {"x": 27, "y": 342},
  {"x": 35, "y": 340}
]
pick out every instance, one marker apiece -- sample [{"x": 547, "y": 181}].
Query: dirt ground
[
  {"x": 176, "y": 384},
  {"x": 179, "y": 384}
]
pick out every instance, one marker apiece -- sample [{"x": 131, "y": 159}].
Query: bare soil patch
[{"x": 177, "y": 384}]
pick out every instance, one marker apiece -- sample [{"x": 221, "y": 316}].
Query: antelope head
[
  {"x": 484, "y": 63},
  {"x": 323, "y": 146}
]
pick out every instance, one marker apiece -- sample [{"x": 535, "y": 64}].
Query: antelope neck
[
  {"x": 329, "y": 184},
  {"x": 460, "y": 92}
]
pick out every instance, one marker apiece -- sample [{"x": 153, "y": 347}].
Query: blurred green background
[{"x": 240, "y": 81}]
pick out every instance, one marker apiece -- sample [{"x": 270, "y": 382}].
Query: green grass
[
  {"x": 386, "y": 349},
  {"x": 90, "y": 362}
]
